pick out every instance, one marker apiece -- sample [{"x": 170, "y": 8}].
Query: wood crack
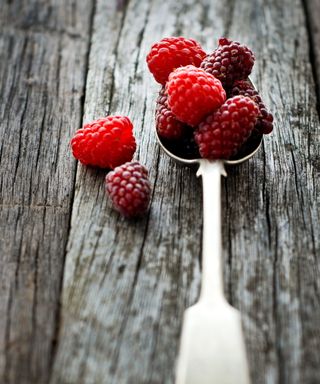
[
  {"x": 140, "y": 39},
  {"x": 35, "y": 299},
  {"x": 275, "y": 312},
  {"x": 228, "y": 23},
  {"x": 312, "y": 54},
  {"x": 55, "y": 338},
  {"x": 42, "y": 127},
  {"x": 23, "y": 115},
  {"x": 266, "y": 195},
  {"x": 229, "y": 241},
  {"x": 116, "y": 52},
  {"x": 7, "y": 337}
]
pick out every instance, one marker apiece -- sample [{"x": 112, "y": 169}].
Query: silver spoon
[{"x": 212, "y": 347}]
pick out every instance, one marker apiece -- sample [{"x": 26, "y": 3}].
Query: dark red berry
[
  {"x": 129, "y": 189},
  {"x": 229, "y": 62},
  {"x": 222, "y": 134},
  {"x": 167, "y": 125},
  {"x": 265, "y": 120}
]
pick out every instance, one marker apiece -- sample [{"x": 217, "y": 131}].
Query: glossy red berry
[
  {"x": 193, "y": 94},
  {"x": 171, "y": 53},
  {"x": 105, "y": 143}
]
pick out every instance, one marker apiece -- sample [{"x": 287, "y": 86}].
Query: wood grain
[
  {"x": 312, "y": 11},
  {"x": 127, "y": 283},
  {"x": 275, "y": 281},
  {"x": 43, "y": 48}
]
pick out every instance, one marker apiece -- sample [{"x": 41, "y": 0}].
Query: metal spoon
[{"x": 212, "y": 348}]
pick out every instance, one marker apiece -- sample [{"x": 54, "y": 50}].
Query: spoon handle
[{"x": 212, "y": 275}]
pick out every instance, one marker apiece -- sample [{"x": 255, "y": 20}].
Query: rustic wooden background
[{"x": 89, "y": 297}]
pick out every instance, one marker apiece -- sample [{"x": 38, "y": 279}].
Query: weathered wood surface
[
  {"x": 127, "y": 283},
  {"x": 312, "y": 10},
  {"x": 43, "y": 50}
]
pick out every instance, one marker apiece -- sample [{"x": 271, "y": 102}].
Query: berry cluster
[
  {"x": 206, "y": 108},
  {"x": 194, "y": 97}
]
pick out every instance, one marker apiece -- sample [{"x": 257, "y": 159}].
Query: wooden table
[{"x": 89, "y": 297}]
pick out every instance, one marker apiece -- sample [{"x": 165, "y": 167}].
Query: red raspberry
[
  {"x": 265, "y": 119},
  {"x": 229, "y": 62},
  {"x": 166, "y": 123},
  {"x": 193, "y": 94},
  {"x": 129, "y": 189},
  {"x": 105, "y": 143},
  {"x": 171, "y": 53},
  {"x": 222, "y": 134}
]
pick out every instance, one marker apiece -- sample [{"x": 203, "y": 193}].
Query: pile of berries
[
  {"x": 208, "y": 95},
  {"x": 206, "y": 107}
]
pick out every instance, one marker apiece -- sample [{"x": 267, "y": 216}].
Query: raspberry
[
  {"x": 166, "y": 123},
  {"x": 193, "y": 94},
  {"x": 171, "y": 53},
  {"x": 222, "y": 134},
  {"x": 229, "y": 62},
  {"x": 265, "y": 120},
  {"x": 129, "y": 189},
  {"x": 105, "y": 143}
]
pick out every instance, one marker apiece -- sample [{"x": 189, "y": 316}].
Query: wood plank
[
  {"x": 127, "y": 283},
  {"x": 43, "y": 48}
]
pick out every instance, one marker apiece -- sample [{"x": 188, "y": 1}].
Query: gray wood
[
  {"x": 127, "y": 282},
  {"x": 312, "y": 10},
  {"x": 43, "y": 48},
  {"x": 275, "y": 281}
]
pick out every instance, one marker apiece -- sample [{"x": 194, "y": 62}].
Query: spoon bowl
[
  {"x": 249, "y": 149},
  {"x": 252, "y": 146}
]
